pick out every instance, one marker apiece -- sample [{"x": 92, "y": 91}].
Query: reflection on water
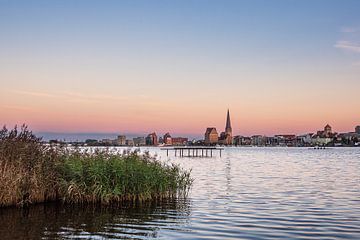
[
  {"x": 249, "y": 193},
  {"x": 53, "y": 220}
]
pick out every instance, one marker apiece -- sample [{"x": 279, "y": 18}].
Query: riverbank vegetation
[{"x": 33, "y": 172}]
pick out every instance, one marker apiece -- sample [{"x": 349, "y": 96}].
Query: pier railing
[{"x": 192, "y": 151}]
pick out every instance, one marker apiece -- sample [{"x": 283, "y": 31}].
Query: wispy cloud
[
  {"x": 74, "y": 96},
  {"x": 349, "y": 46},
  {"x": 349, "y": 30},
  {"x": 17, "y": 108},
  {"x": 35, "y": 94},
  {"x": 94, "y": 97}
]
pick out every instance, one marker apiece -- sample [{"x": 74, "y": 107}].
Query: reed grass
[
  {"x": 27, "y": 168},
  {"x": 107, "y": 177},
  {"x": 33, "y": 172}
]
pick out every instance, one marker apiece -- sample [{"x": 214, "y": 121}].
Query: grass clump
[
  {"x": 27, "y": 168},
  {"x": 107, "y": 177},
  {"x": 32, "y": 172}
]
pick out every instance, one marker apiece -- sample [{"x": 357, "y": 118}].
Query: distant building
[
  {"x": 324, "y": 137},
  {"x": 167, "y": 139},
  {"x": 211, "y": 136},
  {"x": 304, "y": 139},
  {"x": 121, "y": 140},
  {"x": 226, "y": 137},
  {"x": 107, "y": 141},
  {"x": 271, "y": 141},
  {"x": 322, "y": 141},
  {"x": 242, "y": 141},
  {"x": 357, "y": 129},
  {"x": 179, "y": 141},
  {"x": 139, "y": 141},
  {"x": 151, "y": 139},
  {"x": 327, "y": 130},
  {"x": 258, "y": 140},
  {"x": 326, "y": 133},
  {"x": 286, "y": 140},
  {"x": 129, "y": 142}
]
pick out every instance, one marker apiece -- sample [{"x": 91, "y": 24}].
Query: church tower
[
  {"x": 228, "y": 129},
  {"x": 227, "y": 136}
]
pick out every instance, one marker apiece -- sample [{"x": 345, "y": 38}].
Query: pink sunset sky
[{"x": 138, "y": 68}]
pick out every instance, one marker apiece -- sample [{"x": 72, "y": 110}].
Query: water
[{"x": 248, "y": 193}]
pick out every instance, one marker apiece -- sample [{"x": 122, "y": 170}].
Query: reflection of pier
[{"x": 192, "y": 151}]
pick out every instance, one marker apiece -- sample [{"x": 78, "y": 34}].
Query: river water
[{"x": 248, "y": 193}]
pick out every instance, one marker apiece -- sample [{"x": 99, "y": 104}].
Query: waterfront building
[
  {"x": 211, "y": 136},
  {"x": 129, "y": 142},
  {"x": 258, "y": 140},
  {"x": 178, "y": 141},
  {"x": 139, "y": 141},
  {"x": 107, "y": 141},
  {"x": 326, "y": 133},
  {"x": 357, "y": 129},
  {"x": 327, "y": 130},
  {"x": 286, "y": 140},
  {"x": 348, "y": 139},
  {"x": 304, "y": 139},
  {"x": 167, "y": 139},
  {"x": 270, "y": 141},
  {"x": 226, "y": 137},
  {"x": 242, "y": 141},
  {"x": 151, "y": 139},
  {"x": 121, "y": 140},
  {"x": 324, "y": 137},
  {"x": 237, "y": 140},
  {"x": 321, "y": 141}
]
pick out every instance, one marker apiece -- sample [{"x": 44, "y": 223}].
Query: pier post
[{"x": 193, "y": 151}]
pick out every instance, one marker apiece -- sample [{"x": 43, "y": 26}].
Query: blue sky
[{"x": 270, "y": 60}]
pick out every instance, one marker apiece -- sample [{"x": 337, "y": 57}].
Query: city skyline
[
  {"x": 138, "y": 67},
  {"x": 81, "y": 137}
]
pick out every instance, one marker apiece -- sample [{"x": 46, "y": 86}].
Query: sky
[{"x": 283, "y": 66}]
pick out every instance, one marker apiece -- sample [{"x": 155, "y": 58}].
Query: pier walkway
[{"x": 192, "y": 151}]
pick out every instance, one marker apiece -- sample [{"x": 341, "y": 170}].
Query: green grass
[
  {"x": 32, "y": 172},
  {"x": 105, "y": 177}
]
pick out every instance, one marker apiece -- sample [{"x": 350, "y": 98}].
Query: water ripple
[{"x": 249, "y": 193}]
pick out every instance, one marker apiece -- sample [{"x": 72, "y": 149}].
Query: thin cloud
[
  {"x": 349, "y": 30},
  {"x": 349, "y": 46},
  {"x": 35, "y": 94},
  {"x": 94, "y": 97},
  {"x": 18, "y": 108},
  {"x": 72, "y": 95}
]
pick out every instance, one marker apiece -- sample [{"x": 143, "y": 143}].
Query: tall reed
[
  {"x": 107, "y": 177},
  {"x": 27, "y": 168},
  {"x": 32, "y": 172}
]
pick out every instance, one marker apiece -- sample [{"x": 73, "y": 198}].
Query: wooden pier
[{"x": 192, "y": 151}]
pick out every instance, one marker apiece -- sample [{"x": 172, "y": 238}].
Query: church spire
[{"x": 228, "y": 123}]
